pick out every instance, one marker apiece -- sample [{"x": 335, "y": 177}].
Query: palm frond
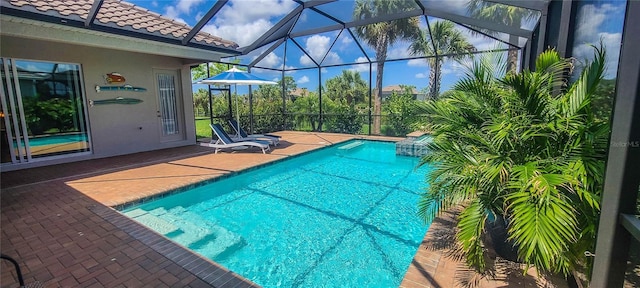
[
  {"x": 471, "y": 228},
  {"x": 579, "y": 96}
]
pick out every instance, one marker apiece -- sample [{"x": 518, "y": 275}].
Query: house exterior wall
[{"x": 116, "y": 129}]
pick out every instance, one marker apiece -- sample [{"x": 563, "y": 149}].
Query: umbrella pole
[{"x": 235, "y": 87}]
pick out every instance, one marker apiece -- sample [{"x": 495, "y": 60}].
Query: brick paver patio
[{"x": 58, "y": 224}]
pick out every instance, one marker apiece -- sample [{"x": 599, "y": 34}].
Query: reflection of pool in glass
[
  {"x": 57, "y": 139},
  {"x": 344, "y": 216}
]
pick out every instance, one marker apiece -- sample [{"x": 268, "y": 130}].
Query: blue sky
[{"x": 243, "y": 21}]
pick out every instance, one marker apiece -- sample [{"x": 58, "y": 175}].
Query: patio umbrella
[{"x": 236, "y": 76}]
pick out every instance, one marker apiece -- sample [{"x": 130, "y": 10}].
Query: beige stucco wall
[{"x": 116, "y": 129}]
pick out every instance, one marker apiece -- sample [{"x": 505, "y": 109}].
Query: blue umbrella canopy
[{"x": 236, "y": 76}]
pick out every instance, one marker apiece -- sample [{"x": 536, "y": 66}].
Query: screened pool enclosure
[{"x": 358, "y": 67}]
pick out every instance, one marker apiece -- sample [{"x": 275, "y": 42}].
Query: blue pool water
[
  {"x": 57, "y": 139},
  {"x": 343, "y": 216}
]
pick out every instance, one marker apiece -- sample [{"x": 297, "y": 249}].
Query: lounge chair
[
  {"x": 224, "y": 141},
  {"x": 274, "y": 139}
]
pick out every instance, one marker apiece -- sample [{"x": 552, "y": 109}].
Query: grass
[{"x": 202, "y": 128}]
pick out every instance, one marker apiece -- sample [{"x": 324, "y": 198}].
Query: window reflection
[{"x": 46, "y": 110}]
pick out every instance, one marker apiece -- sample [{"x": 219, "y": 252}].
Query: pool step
[
  {"x": 351, "y": 145},
  {"x": 156, "y": 223},
  {"x": 203, "y": 236},
  {"x": 413, "y": 146}
]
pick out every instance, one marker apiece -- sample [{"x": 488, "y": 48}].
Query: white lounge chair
[
  {"x": 224, "y": 141},
  {"x": 273, "y": 139}
]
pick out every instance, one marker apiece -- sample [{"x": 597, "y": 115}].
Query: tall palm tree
[
  {"x": 515, "y": 148},
  {"x": 382, "y": 34},
  {"x": 441, "y": 38},
  {"x": 504, "y": 14}
]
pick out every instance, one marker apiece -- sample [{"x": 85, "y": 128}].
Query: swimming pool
[{"x": 342, "y": 216}]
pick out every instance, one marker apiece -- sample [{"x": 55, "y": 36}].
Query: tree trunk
[
  {"x": 381, "y": 55},
  {"x": 377, "y": 101},
  {"x": 438, "y": 77},
  {"x": 512, "y": 56},
  {"x": 432, "y": 80}
]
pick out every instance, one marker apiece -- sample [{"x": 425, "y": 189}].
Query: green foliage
[
  {"x": 343, "y": 119},
  {"x": 400, "y": 113},
  {"x": 527, "y": 148},
  {"x": 602, "y": 102},
  {"x": 348, "y": 86},
  {"x": 54, "y": 113}
]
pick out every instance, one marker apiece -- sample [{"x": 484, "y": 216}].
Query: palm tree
[
  {"x": 382, "y": 34},
  {"x": 349, "y": 85},
  {"x": 515, "y": 148},
  {"x": 441, "y": 38},
  {"x": 504, "y": 14}
]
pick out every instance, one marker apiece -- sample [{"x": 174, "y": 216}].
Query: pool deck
[{"x": 57, "y": 221}]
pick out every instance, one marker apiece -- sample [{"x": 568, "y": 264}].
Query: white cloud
[
  {"x": 245, "y": 21},
  {"x": 345, "y": 42},
  {"x": 361, "y": 60},
  {"x": 452, "y": 68},
  {"x": 317, "y": 46},
  {"x": 362, "y": 67},
  {"x": 481, "y": 42},
  {"x": 399, "y": 52},
  {"x": 418, "y": 63},
  {"x": 612, "y": 43},
  {"x": 173, "y": 13},
  {"x": 421, "y": 75},
  {"x": 591, "y": 19},
  {"x": 243, "y": 34},
  {"x": 243, "y": 11},
  {"x": 271, "y": 61},
  {"x": 184, "y": 6},
  {"x": 302, "y": 80},
  {"x": 306, "y": 61}
]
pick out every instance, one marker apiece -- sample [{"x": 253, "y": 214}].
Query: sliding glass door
[{"x": 43, "y": 113}]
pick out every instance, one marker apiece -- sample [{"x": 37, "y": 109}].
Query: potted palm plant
[{"x": 524, "y": 148}]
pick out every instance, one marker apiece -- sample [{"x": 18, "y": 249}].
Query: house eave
[{"x": 46, "y": 31}]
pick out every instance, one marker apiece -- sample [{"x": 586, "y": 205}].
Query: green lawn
[{"x": 202, "y": 128}]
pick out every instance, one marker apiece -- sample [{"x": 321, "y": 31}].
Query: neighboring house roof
[
  {"x": 396, "y": 88},
  {"x": 114, "y": 16},
  {"x": 299, "y": 92}
]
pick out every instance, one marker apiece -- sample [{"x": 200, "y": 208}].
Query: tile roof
[
  {"x": 119, "y": 14},
  {"x": 396, "y": 88}
]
